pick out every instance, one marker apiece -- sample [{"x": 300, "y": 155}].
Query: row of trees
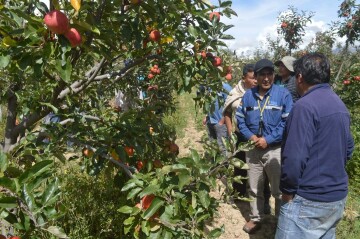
[{"x": 145, "y": 50}]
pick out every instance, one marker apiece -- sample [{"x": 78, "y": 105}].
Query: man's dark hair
[
  {"x": 314, "y": 68},
  {"x": 248, "y": 68}
]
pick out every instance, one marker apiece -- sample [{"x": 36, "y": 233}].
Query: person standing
[
  {"x": 286, "y": 77},
  {"x": 317, "y": 145},
  {"x": 261, "y": 119},
  {"x": 215, "y": 121},
  {"x": 231, "y": 104}
]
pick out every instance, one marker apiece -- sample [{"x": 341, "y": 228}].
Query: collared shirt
[
  {"x": 274, "y": 114},
  {"x": 290, "y": 85},
  {"x": 215, "y": 116},
  {"x": 317, "y": 145}
]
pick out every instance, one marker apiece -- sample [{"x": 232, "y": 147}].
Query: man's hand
[
  {"x": 254, "y": 138},
  {"x": 204, "y": 120},
  {"x": 287, "y": 197},
  {"x": 261, "y": 143}
]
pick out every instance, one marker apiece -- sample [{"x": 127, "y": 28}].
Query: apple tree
[
  {"x": 60, "y": 67},
  {"x": 291, "y": 26}
]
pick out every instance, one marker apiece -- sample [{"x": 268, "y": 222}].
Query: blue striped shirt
[{"x": 274, "y": 115}]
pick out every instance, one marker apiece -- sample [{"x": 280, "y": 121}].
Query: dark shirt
[
  {"x": 288, "y": 84},
  {"x": 317, "y": 143}
]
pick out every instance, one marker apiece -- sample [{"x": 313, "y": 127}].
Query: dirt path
[{"x": 231, "y": 215}]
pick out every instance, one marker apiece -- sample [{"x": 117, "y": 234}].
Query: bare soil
[{"x": 232, "y": 216}]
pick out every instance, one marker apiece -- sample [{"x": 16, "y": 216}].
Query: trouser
[
  {"x": 305, "y": 219},
  {"x": 263, "y": 162},
  {"x": 217, "y": 132}
]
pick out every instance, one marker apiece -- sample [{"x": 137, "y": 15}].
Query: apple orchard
[
  {"x": 60, "y": 68},
  {"x": 86, "y": 85}
]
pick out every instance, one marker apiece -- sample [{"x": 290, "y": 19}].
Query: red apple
[
  {"x": 150, "y": 76},
  {"x": 228, "y": 77},
  {"x": 217, "y": 61},
  {"x": 284, "y": 25},
  {"x": 153, "y": 70},
  {"x": 139, "y": 165},
  {"x": 357, "y": 78},
  {"x": 74, "y": 37},
  {"x": 154, "y": 35},
  {"x": 157, "y": 163},
  {"x": 57, "y": 22},
  {"x": 203, "y": 54},
  {"x": 214, "y": 14},
  {"x": 346, "y": 82}
]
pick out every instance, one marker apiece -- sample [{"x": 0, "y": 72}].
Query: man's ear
[{"x": 299, "y": 78}]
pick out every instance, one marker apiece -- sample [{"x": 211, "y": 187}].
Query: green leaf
[
  {"x": 228, "y": 12},
  {"x": 8, "y": 216},
  {"x": 155, "y": 205},
  {"x": 195, "y": 156},
  {"x": 145, "y": 228},
  {"x": 133, "y": 193},
  {"x": 204, "y": 198},
  {"x": 129, "y": 221},
  {"x": 227, "y": 27},
  {"x": 125, "y": 209},
  {"x": 215, "y": 233},
  {"x": 151, "y": 189},
  {"x": 65, "y": 73},
  {"x": 167, "y": 235},
  {"x": 25, "y": 220},
  {"x": 193, "y": 200},
  {"x": 184, "y": 179},
  {"x": 35, "y": 170},
  {"x": 193, "y": 31},
  {"x": 203, "y": 217},
  {"x": 50, "y": 191},
  {"x": 3, "y": 162},
  {"x": 226, "y": 37},
  {"x": 86, "y": 26},
  {"x": 239, "y": 179},
  {"x": 8, "y": 202},
  {"x": 226, "y": 4},
  {"x": 4, "y": 61},
  {"x": 128, "y": 186},
  {"x": 8, "y": 183},
  {"x": 29, "y": 198},
  {"x": 57, "y": 231}
]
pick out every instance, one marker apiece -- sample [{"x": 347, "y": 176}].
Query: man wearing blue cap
[{"x": 261, "y": 119}]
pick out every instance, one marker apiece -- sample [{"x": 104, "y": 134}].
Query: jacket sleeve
[
  {"x": 277, "y": 133},
  {"x": 241, "y": 119},
  {"x": 299, "y": 134},
  {"x": 350, "y": 146}
]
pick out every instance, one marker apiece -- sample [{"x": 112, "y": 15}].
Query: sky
[{"x": 258, "y": 18}]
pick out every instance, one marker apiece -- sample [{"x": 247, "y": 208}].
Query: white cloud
[{"x": 252, "y": 26}]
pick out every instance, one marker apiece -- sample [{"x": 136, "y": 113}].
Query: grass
[
  {"x": 185, "y": 110},
  {"x": 349, "y": 226}
]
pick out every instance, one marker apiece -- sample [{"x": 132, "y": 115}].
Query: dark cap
[
  {"x": 262, "y": 64},
  {"x": 248, "y": 68}
]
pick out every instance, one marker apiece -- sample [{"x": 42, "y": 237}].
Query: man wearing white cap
[{"x": 286, "y": 77}]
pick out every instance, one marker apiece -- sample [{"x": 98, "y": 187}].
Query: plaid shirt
[{"x": 290, "y": 85}]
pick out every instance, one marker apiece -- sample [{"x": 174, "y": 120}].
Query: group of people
[{"x": 300, "y": 130}]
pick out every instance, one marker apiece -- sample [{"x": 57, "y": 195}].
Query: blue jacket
[
  {"x": 274, "y": 114},
  {"x": 215, "y": 116},
  {"x": 317, "y": 144}
]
